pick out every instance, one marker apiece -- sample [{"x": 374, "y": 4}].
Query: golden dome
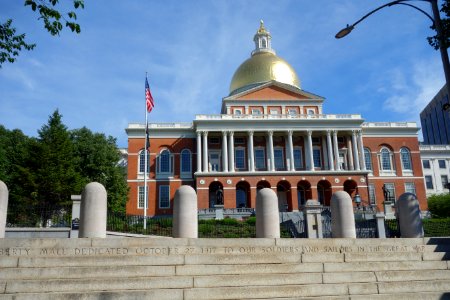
[{"x": 263, "y": 67}]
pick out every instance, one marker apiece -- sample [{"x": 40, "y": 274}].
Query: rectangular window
[
  {"x": 410, "y": 187},
  {"x": 317, "y": 158},
  {"x": 239, "y": 141},
  {"x": 298, "y": 161},
  {"x": 426, "y": 164},
  {"x": 214, "y": 140},
  {"x": 441, "y": 163},
  {"x": 256, "y": 111},
  {"x": 340, "y": 139},
  {"x": 444, "y": 180},
  {"x": 315, "y": 140},
  {"x": 164, "y": 196},
  {"x": 274, "y": 111},
  {"x": 292, "y": 111},
  {"x": 390, "y": 189},
  {"x": 279, "y": 158},
  {"x": 429, "y": 182},
  {"x": 260, "y": 161},
  {"x": 372, "y": 196},
  {"x": 239, "y": 157},
  {"x": 141, "y": 191}
]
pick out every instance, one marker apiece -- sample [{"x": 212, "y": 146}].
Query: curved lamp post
[{"x": 436, "y": 19}]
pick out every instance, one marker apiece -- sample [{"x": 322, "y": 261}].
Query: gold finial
[{"x": 261, "y": 29}]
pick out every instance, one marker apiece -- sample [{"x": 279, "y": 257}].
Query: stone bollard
[
  {"x": 408, "y": 214},
  {"x": 93, "y": 211},
  {"x": 381, "y": 229},
  {"x": 342, "y": 216},
  {"x": 3, "y": 207},
  {"x": 185, "y": 219},
  {"x": 267, "y": 214},
  {"x": 313, "y": 217}
]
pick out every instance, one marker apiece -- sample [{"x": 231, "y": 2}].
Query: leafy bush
[
  {"x": 436, "y": 227},
  {"x": 439, "y": 205},
  {"x": 251, "y": 221}
]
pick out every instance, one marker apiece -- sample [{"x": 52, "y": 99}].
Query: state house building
[{"x": 271, "y": 133}]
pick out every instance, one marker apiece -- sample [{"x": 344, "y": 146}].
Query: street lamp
[{"x": 436, "y": 19}]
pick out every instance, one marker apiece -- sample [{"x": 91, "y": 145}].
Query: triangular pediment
[{"x": 274, "y": 91}]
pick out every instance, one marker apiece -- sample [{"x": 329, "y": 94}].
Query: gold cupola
[{"x": 263, "y": 66}]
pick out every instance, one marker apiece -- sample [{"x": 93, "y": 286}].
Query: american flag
[{"x": 148, "y": 97}]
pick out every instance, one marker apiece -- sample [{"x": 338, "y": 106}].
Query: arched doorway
[
  {"x": 284, "y": 196},
  {"x": 242, "y": 195},
  {"x": 262, "y": 184},
  {"x": 215, "y": 194},
  {"x": 324, "y": 192},
  {"x": 350, "y": 186},
  {"x": 303, "y": 192}
]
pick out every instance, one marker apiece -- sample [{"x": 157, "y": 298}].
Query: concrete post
[
  {"x": 3, "y": 207},
  {"x": 408, "y": 214},
  {"x": 93, "y": 211},
  {"x": 267, "y": 214},
  {"x": 313, "y": 219},
  {"x": 75, "y": 226},
  {"x": 380, "y": 225},
  {"x": 342, "y": 216},
  {"x": 185, "y": 220}
]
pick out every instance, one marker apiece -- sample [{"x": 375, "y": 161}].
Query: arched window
[
  {"x": 241, "y": 197},
  {"x": 386, "y": 162},
  {"x": 368, "y": 159},
  {"x": 165, "y": 163},
  {"x": 185, "y": 162},
  {"x": 142, "y": 161},
  {"x": 406, "y": 159}
]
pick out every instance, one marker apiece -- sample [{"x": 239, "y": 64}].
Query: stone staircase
[{"x": 166, "y": 268}]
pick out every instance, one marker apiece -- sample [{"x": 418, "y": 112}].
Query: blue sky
[{"x": 384, "y": 70}]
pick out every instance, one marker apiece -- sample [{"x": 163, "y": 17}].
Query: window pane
[
  {"x": 164, "y": 162},
  {"x": 141, "y": 197},
  {"x": 241, "y": 198},
  {"x": 372, "y": 197},
  {"x": 426, "y": 164},
  {"x": 429, "y": 182},
  {"x": 390, "y": 188},
  {"x": 279, "y": 161},
  {"x": 441, "y": 163},
  {"x": 185, "y": 161},
  {"x": 317, "y": 158},
  {"x": 406, "y": 159},
  {"x": 142, "y": 162},
  {"x": 164, "y": 196},
  {"x": 298, "y": 159},
  {"x": 444, "y": 180},
  {"x": 386, "y": 160},
  {"x": 260, "y": 162},
  {"x": 410, "y": 187},
  {"x": 239, "y": 158},
  {"x": 368, "y": 159}
]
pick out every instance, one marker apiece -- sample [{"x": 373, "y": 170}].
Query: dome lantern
[{"x": 263, "y": 66}]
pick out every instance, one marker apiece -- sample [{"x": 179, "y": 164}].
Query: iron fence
[
  {"x": 436, "y": 227},
  {"x": 38, "y": 215}
]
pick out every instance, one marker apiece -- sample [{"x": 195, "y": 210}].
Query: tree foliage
[
  {"x": 439, "y": 205},
  {"x": 54, "y": 21},
  {"x": 434, "y": 41},
  {"x": 43, "y": 172}
]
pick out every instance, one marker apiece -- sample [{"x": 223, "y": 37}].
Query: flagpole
[{"x": 145, "y": 163}]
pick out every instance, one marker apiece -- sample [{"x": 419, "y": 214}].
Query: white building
[{"x": 436, "y": 168}]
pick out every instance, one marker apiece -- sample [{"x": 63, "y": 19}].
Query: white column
[
  {"x": 325, "y": 153},
  {"x": 271, "y": 155},
  {"x": 330, "y": 151},
  {"x": 336, "y": 151},
  {"x": 291, "y": 167},
  {"x": 351, "y": 166},
  {"x": 310, "y": 151},
  {"x": 251, "y": 152},
  {"x": 361, "y": 150},
  {"x": 199, "y": 151},
  {"x": 355, "y": 150},
  {"x": 224, "y": 152},
  {"x": 205, "y": 151},
  {"x": 231, "y": 152}
]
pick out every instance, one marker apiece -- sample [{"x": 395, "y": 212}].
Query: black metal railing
[{"x": 38, "y": 215}]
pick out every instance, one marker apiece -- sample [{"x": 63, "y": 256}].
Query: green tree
[
  {"x": 439, "y": 205},
  {"x": 97, "y": 158},
  {"x": 53, "y": 163},
  {"x": 11, "y": 43}
]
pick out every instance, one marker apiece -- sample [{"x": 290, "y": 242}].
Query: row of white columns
[{"x": 355, "y": 151}]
